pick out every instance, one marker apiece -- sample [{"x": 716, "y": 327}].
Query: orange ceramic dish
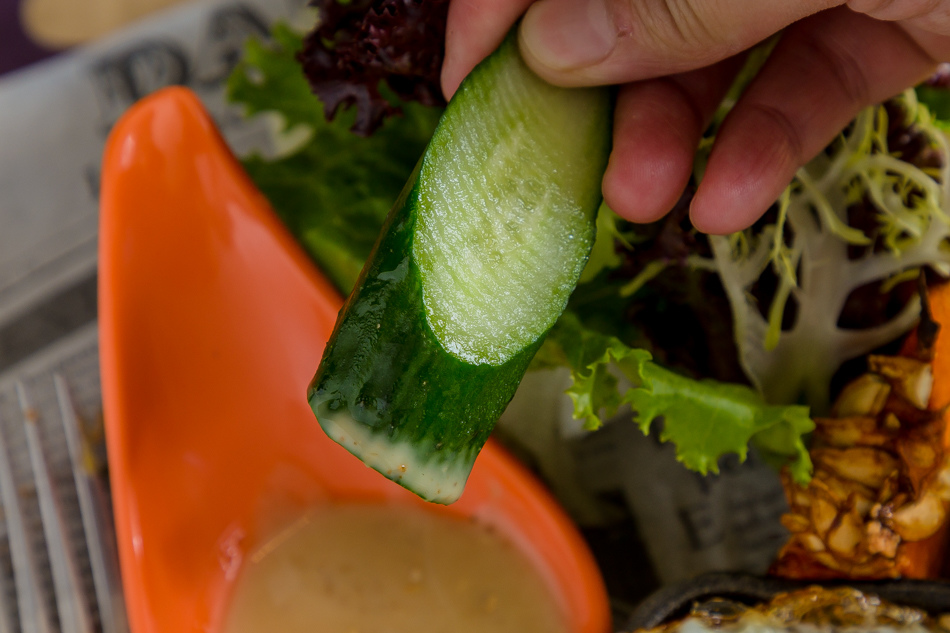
[{"x": 212, "y": 322}]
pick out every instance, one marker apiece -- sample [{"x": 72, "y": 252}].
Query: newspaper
[
  {"x": 54, "y": 120},
  {"x": 688, "y": 523}
]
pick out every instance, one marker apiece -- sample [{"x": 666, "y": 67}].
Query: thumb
[{"x": 593, "y": 42}]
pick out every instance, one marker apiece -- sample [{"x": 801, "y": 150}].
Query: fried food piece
[
  {"x": 814, "y": 609},
  {"x": 878, "y": 503}
]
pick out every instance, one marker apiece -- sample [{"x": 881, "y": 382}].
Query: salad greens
[
  {"x": 819, "y": 256},
  {"x": 357, "y": 46},
  {"x": 334, "y": 190},
  {"x": 827, "y": 275},
  {"x": 704, "y": 419}
]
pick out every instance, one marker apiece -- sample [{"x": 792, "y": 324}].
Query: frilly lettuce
[
  {"x": 704, "y": 419},
  {"x": 819, "y": 259},
  {"x": 357, "y": 46}
]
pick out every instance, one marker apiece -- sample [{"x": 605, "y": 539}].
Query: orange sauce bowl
[{"x": 212, "y": 322}]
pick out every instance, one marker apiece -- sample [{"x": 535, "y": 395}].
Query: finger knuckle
[
  {"x": 784, "y": 134},
  {"x": 678, "y": 25},
  {"x": 895, "y": 10},
  {"x": 782, "y": 142},
  {"x": 846, "y": 73}
]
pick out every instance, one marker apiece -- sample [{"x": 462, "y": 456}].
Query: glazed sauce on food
[{"x": 381, "y": 569}]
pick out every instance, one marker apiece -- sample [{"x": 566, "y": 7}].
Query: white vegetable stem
[{"x": 807, "y": 249}]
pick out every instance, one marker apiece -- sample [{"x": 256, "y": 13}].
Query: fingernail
[{"x": 568, "y": 34}]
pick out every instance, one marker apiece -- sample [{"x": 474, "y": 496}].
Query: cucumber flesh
[
  {"x": 506, "y": 211},
  {"x": 476, "y": 261}
]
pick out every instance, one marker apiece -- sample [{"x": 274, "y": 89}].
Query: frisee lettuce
[{"x": 819, "y": 256}]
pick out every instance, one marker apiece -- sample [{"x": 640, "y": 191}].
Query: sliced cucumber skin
[{"x": 385, "y": 371}]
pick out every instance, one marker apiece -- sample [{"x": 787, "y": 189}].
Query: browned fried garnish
[
  {"x": 811, "y": 608},
  {"x": 881, "y": 482}
]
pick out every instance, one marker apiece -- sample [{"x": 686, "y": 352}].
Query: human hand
[{"x": 675, "y": 59}]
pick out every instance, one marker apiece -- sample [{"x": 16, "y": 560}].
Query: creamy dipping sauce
[{"x": 380, "y": 569}]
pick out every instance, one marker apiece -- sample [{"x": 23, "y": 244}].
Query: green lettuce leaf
[
  {"x": 937, "y": 100},
  {"x": 334, "y": 189},
  {"x": 603, "y": 254},
  {"x": 704, "y": 419}
]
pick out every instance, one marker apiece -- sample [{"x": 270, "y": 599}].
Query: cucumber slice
[{"x": 475, "y": 264}]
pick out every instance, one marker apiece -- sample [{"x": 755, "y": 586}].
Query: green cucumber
[{"x": 476, "y": 262}]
